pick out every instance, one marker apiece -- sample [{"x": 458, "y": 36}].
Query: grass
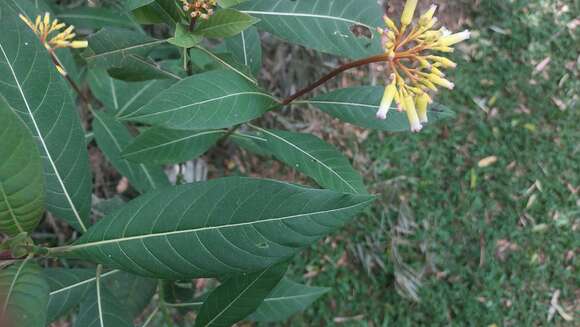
[{"x": 490, "y": 245}]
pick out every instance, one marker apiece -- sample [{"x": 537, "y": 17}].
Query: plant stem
[
  {"x": 334, "y": 73},
  {"x": 192, "y": 24},
  {"x": 65, "y": 74}
]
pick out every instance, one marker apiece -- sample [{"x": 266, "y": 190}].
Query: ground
[{"x": 480, "y": 215}]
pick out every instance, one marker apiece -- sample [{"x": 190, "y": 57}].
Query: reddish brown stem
[
  {"x": 71, "y": 82},
  {"x": 334, "y": 73},
  {"x": 192, "y": 23}
]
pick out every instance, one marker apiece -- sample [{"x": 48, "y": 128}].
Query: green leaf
[
  {"x": 86, "y": 17},
  {"x": 101, "y": 308},
  {"x": 212, "y": 100},
  {"x": 68, "y": 287},
  {"x": 183, "y": 38},
  {"x": 225, "y": 23},
  {"x": 124, "y": 97},
  {"x": 229, "y": 3},
  {"x": 134, "y": 292},
  {"x": 137, "y": 69},
  {"x": 24, "y": 294},
  {"x": 158, "y": 146},
  {"x": 169, "y": 10},
  {"x": 359, "y": 106},
  {"x": 112, "y": 137},
  {"x": 324, "y": 25},
  {"x": 315, "y": 158},
  {"x": 286, "y": 299},
  {"x": 21, "y": 180},
  {"x": 223, "y": 61},
  {"x": 208, "y": 229},
  {"x": 252, "y": 143},
  {"x": 134, "y": 4},
  {"x": 239, "y": 296},
  {"x": 110, "y": 47},
  {"x": 246, "y": 47},
  {"x": 36, "y": 91}
]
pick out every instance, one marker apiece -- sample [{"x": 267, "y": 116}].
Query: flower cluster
[
  {"x": 414, "y": 70},
  {"x": 46, "y": 30},
  {"x": 199, "y": 8}
]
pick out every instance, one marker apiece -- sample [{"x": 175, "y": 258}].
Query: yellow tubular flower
[
  {"x": 427, "y": 17},
  {"x": 388, "y": 98},
  {"x": 409, "y": 55},
  {"x": 408, "y": 12},
  {"x": 414, "y": 121},
  {"x": 44, "y": 28},
  {"x": 422, "y": 102},
  {"x": 453, "y": 39}
]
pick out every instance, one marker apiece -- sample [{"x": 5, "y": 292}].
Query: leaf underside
[{"x": 224, "y": 226}]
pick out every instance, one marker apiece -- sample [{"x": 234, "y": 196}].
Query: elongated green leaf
[
  {"x": 247, "y": 49},
  {"x": 359, "y": 106},
  {"x": 124, "y": 97},
  {"x": 212, "y": 100},
  {"x": 315, "y": 158},
  {"x": 134, "y": 292},
  {"x": 112, "y": 137},
  {"x": 36, "y": 91},
  {"x": 101, "y": 308},
  {"x": 136, "y": 69},
  {"x": 85, "y": 17},
  {"x": 134, "y": 4},
  {"x": 110, "y": 47},
  {"x": 169, "y": 10},
  {"x": 229, "y": 3},
  {"x": 223, "y": 226},
  {"x": 23, "y": 295},
  {"x": 286, "y": 299},
  {"x": 21, "y": 180},
  {"x": 68, "y": 287},
  {"x": 164, "y": 146},
  {"x": 239, "y": 296},
  {"x": 225, "y": 23},
  {"x": 223, "y": 61},
  {"x": 325, "y": 25}
]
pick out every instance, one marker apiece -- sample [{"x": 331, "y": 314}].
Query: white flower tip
[
  {"x": 416, "y": 128},
  {"x": 382, "y": 113}
]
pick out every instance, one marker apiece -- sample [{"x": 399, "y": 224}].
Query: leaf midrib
[
  {"x": 311, "y": 157},
  {"x": 151, "y": 148},
  {"x": 279, "y": 13},
  {"x": 199, "y": 229},
  {"x": 43, "y": 143}
]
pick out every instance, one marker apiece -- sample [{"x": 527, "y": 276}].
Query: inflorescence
[
  {"x": 199, "y": 8},
  {"x": 414, "y": 70},
  {"x": 45, "y": 30}
]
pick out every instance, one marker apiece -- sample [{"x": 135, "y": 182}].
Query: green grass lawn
[{"x": 491, "y": 244}]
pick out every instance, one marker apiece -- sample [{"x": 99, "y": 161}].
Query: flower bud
[
  {"x": 452, "y": 39},
  {"x": 387, "y": 101},
  {"x": 408, "y": 12},
  {"x": 422, "y": 102},
  {"x": 409, "y": 106},
  {"x": 427, "y": 16}
]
